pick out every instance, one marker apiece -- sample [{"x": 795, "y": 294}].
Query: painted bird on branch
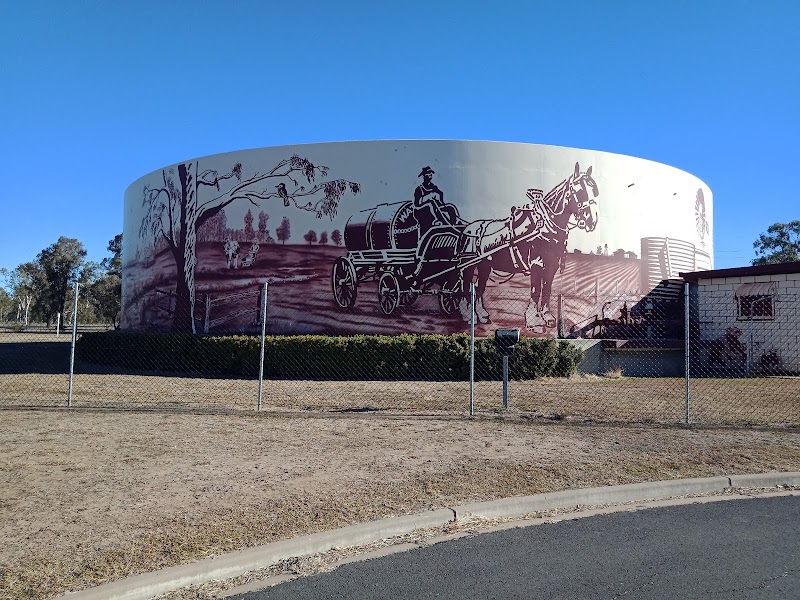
[{"x": 283, "y": 193}]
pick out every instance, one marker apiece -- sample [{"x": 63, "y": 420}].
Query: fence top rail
[{"x": 236, "y": 296}]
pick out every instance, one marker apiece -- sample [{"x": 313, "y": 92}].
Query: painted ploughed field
[{"x": 300, "y": 299}]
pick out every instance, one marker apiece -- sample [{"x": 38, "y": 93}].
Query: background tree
[
  {"x": 106, "y": 290},
  {"x": 262, "y": 225},
  {"x": 113, "y": 263},
  {"x": 249, "y": 232},
  {"x": 323, "y": 237},
  {"x": 90, "y": 272},
  {"x": 780, "y": 244},
  {"x": 189, "y": 196},
  {"x": 213, "y": 230},
  {"x": 336, "y": 237},
  {"x": 284, "y": 230},
  {"x": 6, "y": 296},
  {"x": 61, "y": 264},
  {"x": 6, "y": 306},
  {"x": 26, "y": 284},
  {"x": 310, "y": 237}
]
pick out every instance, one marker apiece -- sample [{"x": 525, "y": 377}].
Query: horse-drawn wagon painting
[
  {"x": 391, "y": 245},
  {"x": 555, "y": 241}
]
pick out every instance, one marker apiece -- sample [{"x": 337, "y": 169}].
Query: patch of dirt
[{"x": 92, "y": 496}]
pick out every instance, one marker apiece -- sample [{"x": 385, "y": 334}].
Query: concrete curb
[
  {"x": 763, "y": 480},
  {"x": 521, "y": 505},
  {"x": 148, "y": 585}
]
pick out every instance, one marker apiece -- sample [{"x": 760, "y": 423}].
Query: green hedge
[{"x": 358, "y": 357}]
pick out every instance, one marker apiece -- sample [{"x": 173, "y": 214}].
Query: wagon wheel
[
  {"x": 448, "y": 302},
  {"x": 450, "y": 294},
  {"x": 388, "y": 293},
  {"x": 344, "y": 282}
]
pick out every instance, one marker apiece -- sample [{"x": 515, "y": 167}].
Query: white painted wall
[
  {"x": 717, "y": 311},
  {"x": 484, "y": 179}
]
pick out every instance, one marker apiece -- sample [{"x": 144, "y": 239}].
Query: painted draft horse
[{"x": 532, "y": 241}]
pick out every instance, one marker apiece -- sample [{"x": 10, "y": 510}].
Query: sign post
[{"x": 505, "y": 339}]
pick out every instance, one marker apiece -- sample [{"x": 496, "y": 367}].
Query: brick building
[{"x": 748, "y": 318}]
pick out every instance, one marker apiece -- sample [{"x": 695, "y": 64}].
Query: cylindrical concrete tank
[{"x": 386, "y": 237}]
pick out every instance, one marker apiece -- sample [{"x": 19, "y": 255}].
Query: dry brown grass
[
  {"x": 757, "y": 401},
  {"x": 91, "y": 496},
  {"x": 88, "y": 496},
  {"x": 615, "y": 373},
  {"x": 611, "y": 398}
]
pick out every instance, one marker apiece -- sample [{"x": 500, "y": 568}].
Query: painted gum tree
[{"x": 189, "y": 196}]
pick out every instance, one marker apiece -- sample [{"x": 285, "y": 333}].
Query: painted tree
[
  {"x": 284, "y": 230},
  {"x": 310, "y": 237},
  {"x": 187, "y": 197},
  {"x": 213, "y": 230},
  {"x": 262, "y": 225},
  {"x": 249, "y": 232},
  {"x": 323, "y": 238},
  {"x": 336, "y": 237},
  {"x": 780, "y": 244}
]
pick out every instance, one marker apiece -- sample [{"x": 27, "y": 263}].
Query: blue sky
[{"x": 97, "y": 94}]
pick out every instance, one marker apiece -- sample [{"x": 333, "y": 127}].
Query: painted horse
[{"x": 532, "y": 241}]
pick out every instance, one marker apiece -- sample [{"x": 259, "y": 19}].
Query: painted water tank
[{"x": 551, "y": 236}]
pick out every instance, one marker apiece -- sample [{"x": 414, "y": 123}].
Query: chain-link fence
[
  {"x": 744, "y": 357},
  {"x": 669, "y": 356}
]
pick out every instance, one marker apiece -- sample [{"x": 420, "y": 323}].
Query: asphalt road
[{"x": 733, "y": 549}]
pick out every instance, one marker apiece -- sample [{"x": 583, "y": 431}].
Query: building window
[
  {"x": 755, "y": 308},
  {"x": 756, "y": 301}
]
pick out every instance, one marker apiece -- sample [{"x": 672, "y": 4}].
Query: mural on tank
[
  {"x": 700, "y": 217},
  {"x": 344, "y": 250},
  {"x": 423, "y": 247},
  {"x": 190, "y": 197}
]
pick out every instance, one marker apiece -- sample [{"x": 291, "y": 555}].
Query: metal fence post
[
  {"x": 208, "y": 313},
  {"x": 472, "y": 350},
  {"x": 263, "y": 341},
  {"x": 687, "y": 362},
  {"x": 72, "y": 348},
  {"x": 505, "y": 381}
]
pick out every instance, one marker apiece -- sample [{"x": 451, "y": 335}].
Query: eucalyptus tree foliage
[
  {"x": 7, "y": 304},
  {"x": 43, "y": 289},
  {"x": 61, "y": 264},
  {"x": 25, "y": 287},
  {"x": 106, "y": 290},
  {"x": 780, "y": 244}
]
